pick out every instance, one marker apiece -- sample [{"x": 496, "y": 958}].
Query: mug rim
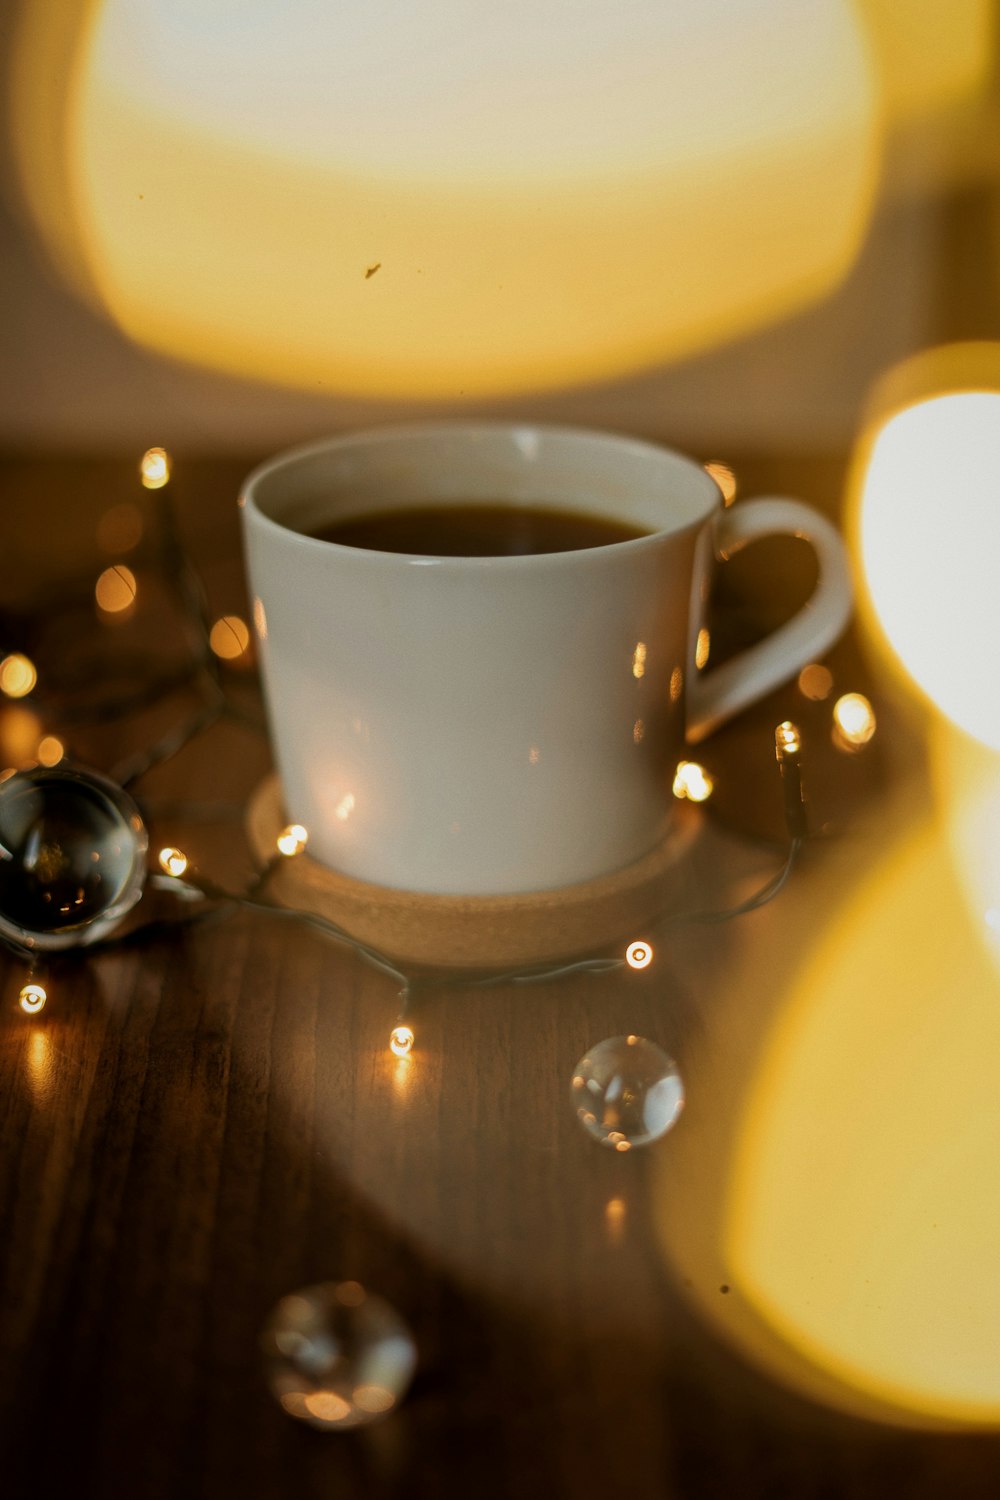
[{"x": 439, "y": 429}]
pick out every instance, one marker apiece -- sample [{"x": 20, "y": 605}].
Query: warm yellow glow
[
  {"x": 154, "y": 468},
  {"x": 41, "y": 1066},
  {"x": 724, "y": 478},
  {"x": 17, "y": 675},
  {"x": 854, "y": 718},
  {"x": 292, "y": 840},
  {"x": 930, "y": 54},
  {"x": 173, "y": 861},
  {"x": 692, "y": 782},
  {"x": 639, "y": 955},
  {"x": 327, "y": 1406},
  {"x": 639, "y": 659},
  {"x": 787, "y": 740},
  {"x": 816, "y": 682},
  {"x": 966, "y": 783},
  {"x": 544, "y": 203},
  {"x": 229, "y": 637},
  {"x": 50, "y": 750},
  {"x": 861, "y": 1225},
  {"x": 928, "y": 530},
  {"x": 32, "y": 998},
  {"x": 401, "y": 1041},
  {"x": 116, "y": 588},
  {"x": 676, "y": 684},
  {"x": 373, "y": 1398},
  {"x": 702, "y": 650},
  {"x": 638, "y": 732}
]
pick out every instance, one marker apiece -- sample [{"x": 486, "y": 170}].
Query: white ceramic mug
[{"x": 483, "y": 726}]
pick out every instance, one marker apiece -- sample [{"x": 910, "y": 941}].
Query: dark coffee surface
[{"x": 489, "y": 530}]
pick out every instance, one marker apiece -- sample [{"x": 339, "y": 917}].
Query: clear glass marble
[
  {"x": 626, "y": 1092},
  {"x": 336, "y": 1356},
  {"x": 72, "y": 856}
]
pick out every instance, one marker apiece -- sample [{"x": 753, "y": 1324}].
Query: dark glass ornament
[{"x": 72, "y": 856}]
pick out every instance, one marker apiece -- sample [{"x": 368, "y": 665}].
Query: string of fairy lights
[{"x": 227, "y": 639}]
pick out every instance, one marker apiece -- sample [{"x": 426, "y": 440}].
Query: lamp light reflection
[
  {"x": 32, "y": 998},
  {"x": 401, "y": 1041},
  {"x": 639, "y": 659},
  {"x": 724, "y": 478}
]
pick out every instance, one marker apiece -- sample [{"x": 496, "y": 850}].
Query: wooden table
[{"x": 195, "y": 1126}]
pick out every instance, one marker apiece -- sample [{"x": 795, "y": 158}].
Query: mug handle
[{"x": 718, "y": 694}]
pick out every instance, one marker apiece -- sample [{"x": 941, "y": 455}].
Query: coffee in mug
[{"x": 478, "y": 645}]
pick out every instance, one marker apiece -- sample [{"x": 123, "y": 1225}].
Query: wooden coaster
[{"x": 476, "y": 932}]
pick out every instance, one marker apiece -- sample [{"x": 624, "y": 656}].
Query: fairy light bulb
[
  {"x": 401, "y": 1041},
  {"x": 639, "y": 955},
  {"x": 292, "y": 840},
  {"x": 154, "y": 468},
  {"x": 787, "y": 750},
  {"x": 173, "y": 861},
  {"x": 32, "y": 998},
  {"x": 787, "y": 741},
  {"x": 692, "y": 783}
]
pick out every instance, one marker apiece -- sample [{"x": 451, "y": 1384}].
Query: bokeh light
[
  {"x": 17, "y": 675},
  {"x": 854, "y": 720},
  {"x": 692, "y": 782},
  {"x": 929, "y": 537},
  {"x": 116, "y": 589},
  {"x": 722, "y": 184},
  {"x": 229, "y": 637}
]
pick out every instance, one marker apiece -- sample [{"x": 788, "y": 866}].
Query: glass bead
[
  {"x": 72, "y": 856},
  {"x": 337, "y": 1357},
  {"x": 626, "y": 1092}
]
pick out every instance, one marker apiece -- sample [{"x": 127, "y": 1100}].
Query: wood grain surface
[{"x": 198, "y": 1124}]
